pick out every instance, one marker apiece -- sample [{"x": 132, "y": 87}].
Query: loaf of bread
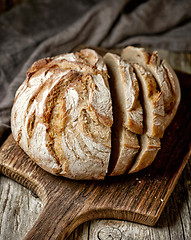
[
  {"x": 62, "y": 115},
  {"x": 82, "y": 116}
]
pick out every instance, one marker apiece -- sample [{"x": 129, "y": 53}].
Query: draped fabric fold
[{"x": 36, "y": 29}]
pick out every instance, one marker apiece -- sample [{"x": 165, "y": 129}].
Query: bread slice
[
  {"x": 124, "y": 143},
  {"x": 128, "y": 115},
  {"x": 153, "y": 104},
  {"x": 125, "y": 92},
  {"x": 163, "y": 74},
  {"x": 148, "y": 151},
  {"x": 156, "y": 68},
  {"x": 125, "y": 147},
  {"x": 62, "y": 116}
]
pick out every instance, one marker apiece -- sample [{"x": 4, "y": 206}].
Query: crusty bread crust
[
  {"x": 62, "y": 115},
  {"x": 176, "y": 91}
]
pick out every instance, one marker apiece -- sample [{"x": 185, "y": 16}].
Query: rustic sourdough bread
[{"x": 62, "y": 115}]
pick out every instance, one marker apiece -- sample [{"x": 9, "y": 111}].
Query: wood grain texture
[
  {"x": 21, "y": 209},
  {"x": 148, "y": 187}
]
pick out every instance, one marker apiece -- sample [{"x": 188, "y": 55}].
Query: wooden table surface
[{"x": 19, "y": 208}]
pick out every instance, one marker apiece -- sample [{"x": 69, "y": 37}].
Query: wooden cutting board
[{"x": 138, "y": 197}]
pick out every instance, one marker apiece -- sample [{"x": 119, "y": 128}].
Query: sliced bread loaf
[{"x": 63, "y": 115}]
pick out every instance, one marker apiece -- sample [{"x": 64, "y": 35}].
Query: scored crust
[{"x": 62, "y": 115}]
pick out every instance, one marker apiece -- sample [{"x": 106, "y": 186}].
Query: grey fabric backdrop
[{"x": 39, "y": 28}]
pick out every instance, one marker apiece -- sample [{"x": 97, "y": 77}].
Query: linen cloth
[{"x": 41, "y": 28}]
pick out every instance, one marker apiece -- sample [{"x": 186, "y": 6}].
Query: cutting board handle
[
  {"x": 63, "y": 209},
  {"x": 68, "y": 203},
  {"x": 56, "y": 222},
  {"x": 19, "y": 167}
]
